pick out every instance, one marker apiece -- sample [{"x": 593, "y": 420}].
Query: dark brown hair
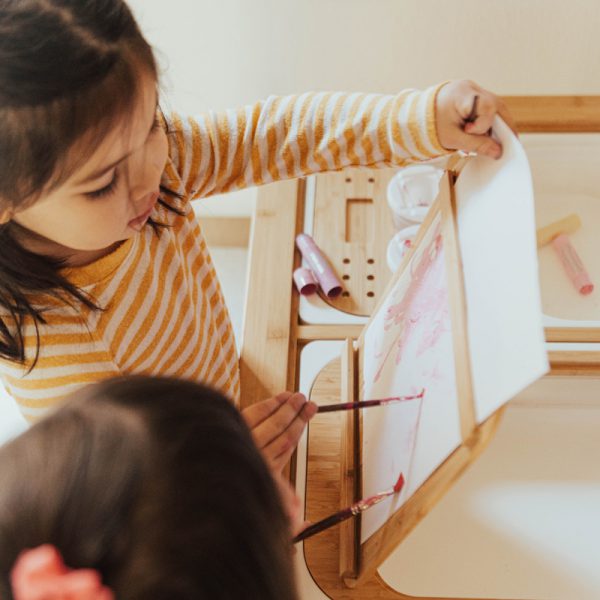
[
  {"x": 156, "y": 483},
  {"x": 69, "y": 71}
]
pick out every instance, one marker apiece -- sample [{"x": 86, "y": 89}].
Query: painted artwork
[
  {"x": 408, "y": 348},
  {"x": 408, "y": 344}
]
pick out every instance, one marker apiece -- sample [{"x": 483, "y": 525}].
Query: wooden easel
[
  {"x": 358, "y": 561},
  {"x": 274, "y": 335}
]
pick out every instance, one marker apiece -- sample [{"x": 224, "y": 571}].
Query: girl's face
[{"x": 110, "y": 197}]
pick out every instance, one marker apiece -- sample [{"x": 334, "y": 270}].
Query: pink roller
[
  {"x": 305, "y": 281},
  {"x": 572, "y": 264},
  {"x": 320, "y": 266}
]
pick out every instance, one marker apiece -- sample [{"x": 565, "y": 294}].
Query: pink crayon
[
  {"x": 572, "y": 264},
  {"x": 320, "y": 266}
]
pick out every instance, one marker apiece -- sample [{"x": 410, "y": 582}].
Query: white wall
[{"x": 223, "y": 53}]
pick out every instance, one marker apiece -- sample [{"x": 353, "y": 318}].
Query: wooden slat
[
  {"x": 265, "y": 360},
  {"x": 226, "y": 231},
  {"x": 572, "y": 334},
  {"x": 555, "y": 114},
  {"x": 349, "y": 534},
  {"x": 328, "y": 332},
  {"x": 572, "y": 362},
  {"x": 458, "y": 310}
]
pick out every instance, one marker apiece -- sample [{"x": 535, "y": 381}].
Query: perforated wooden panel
[{"x": 352, "y": 226}]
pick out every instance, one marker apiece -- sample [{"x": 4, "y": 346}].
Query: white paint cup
[
  {"x": 399, "y": 245},
  {"x": 411, "y": 192}
]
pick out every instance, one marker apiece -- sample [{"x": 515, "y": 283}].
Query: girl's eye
[{"x": 106, "y": 190}]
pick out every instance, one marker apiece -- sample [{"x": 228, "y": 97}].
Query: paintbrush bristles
[
  {"x": 399, "y": 484},
  {"x": 351, "y": 511}
]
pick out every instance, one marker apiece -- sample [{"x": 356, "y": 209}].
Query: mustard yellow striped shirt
[{"x": 164, "y": 312}]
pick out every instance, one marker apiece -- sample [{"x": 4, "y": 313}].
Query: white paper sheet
[
  {"x": 496, "y": 229},
  {"x": 408, "y": 348}
]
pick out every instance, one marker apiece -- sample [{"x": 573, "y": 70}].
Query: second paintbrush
[{"x": 368, "y": 403}]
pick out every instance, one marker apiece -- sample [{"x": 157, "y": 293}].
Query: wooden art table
[{"x": 274, "y": 333}]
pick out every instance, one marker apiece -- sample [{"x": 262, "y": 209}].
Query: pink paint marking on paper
[
  {"x": 427, "y": 295},
  {"x": 440, "y": 317}
]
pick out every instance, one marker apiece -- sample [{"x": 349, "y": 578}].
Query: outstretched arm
[{"x": 292, "y": 136}]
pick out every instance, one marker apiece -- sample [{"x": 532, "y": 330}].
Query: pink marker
[
  {"x": 320, "y": 266},
  {"x": 572, "y": 264},
  {"x": 305, "y": 281}
]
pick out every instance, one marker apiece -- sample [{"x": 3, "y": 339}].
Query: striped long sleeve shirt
[{"x": 163, "y": 310}]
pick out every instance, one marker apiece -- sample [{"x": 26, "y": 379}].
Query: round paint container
[
  {"x": 411, "y": 192},
  {"x": 399, "y": 245}
]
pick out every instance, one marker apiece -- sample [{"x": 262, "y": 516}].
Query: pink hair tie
[{"x": 41, "y": 574}]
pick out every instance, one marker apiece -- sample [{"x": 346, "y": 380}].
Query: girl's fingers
[
  {"x": 278, "y": 421},
  {"x": 259, "y": 412},
  {"x": 475, "y": 136},
  {"x": 487, "y": 107},
  {"x": 465, "y": 115},
  {"x": 466, "y": 100},
  {"x": 281, "y": 448},
  {"x": 481, "y": 144}
]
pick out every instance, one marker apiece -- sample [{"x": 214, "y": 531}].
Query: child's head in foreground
[
  {"x": 157, "y": 485},
  {"x": 82, "y": 147}
]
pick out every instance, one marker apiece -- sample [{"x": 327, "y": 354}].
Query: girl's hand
[
  {"x": 292, "y": 505},
  {"x": 277, "y": 424},
  {"x": 465, "y": 113}
]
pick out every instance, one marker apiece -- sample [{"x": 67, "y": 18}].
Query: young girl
[
  {"x": 104, "y": 269},
  {"x": 142, "y": 488}
]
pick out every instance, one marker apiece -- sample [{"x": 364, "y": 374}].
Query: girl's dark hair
[
  {"x": 157, "y": 484},
  {"x": 69, "y": 69}
]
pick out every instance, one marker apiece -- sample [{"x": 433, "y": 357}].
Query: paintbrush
[
  {"x": 346, "y": 513},
  {"x": 367, "y": 403},
  {"x": 472, "y": 116}
]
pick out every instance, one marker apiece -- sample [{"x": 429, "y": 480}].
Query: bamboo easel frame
[{"x": 358, "y": 561}]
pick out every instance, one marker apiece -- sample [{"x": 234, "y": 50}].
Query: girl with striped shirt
[{"x": 103, "y": 268}]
